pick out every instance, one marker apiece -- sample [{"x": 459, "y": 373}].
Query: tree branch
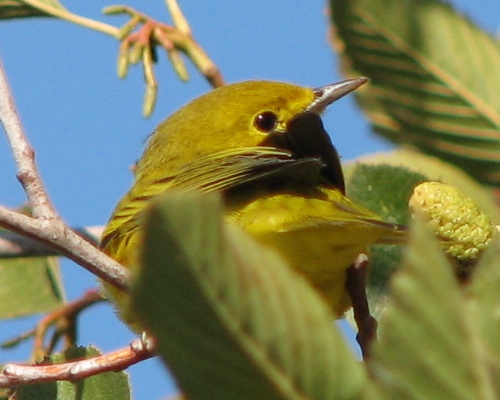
[
  {"x": 46, "y": 225},
  {"x": 14, "y": 245},
  {"x": 15, "y": 374}
]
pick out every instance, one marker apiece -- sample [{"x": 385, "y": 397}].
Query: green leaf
[
  {"x": 231, "y": 320},
  {"x": 433, "y": 169},
  {"x": 430, "y": 346},
  {"x": 484, "y": 304},
  {"x": 106, "y": 386},
  {"x": 384, "y": 189},
  {"x": 40, "y": 277},
  {"x": 434, "y": 78},
  {"x": 30, "y": 8},
  {"x": 383, "y": 183}
]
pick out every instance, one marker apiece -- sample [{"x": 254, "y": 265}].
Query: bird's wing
[
  {"x": 231, "y": 168},
  {"x": 338, "y": 212},
  {"x": 219, "y": 171}
]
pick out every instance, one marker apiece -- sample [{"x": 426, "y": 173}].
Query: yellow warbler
[{"x": 261, "y": 144}]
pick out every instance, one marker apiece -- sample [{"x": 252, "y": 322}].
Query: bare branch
[
  {"x": 24, "y": 155},
  {"x": 15, "y": 374},
  {"x": 46, "y": 225},
  {"x": 14, "y": 245},
  {"x": 66, "y": 242}
]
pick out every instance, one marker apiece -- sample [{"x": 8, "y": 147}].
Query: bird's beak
[{"x": 326, "y": 95}]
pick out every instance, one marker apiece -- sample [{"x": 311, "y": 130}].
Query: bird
[{"x": 262, "y": 145}]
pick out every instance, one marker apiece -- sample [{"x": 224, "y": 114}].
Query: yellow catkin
[{"x": 455, "y": 217}]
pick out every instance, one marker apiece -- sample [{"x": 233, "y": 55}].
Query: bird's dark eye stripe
[{"x": 266, "y": 121}]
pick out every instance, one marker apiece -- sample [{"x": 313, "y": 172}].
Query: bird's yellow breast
[{"x": 319, "y": 235}]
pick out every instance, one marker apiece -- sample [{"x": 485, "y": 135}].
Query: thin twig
[
  {"x": 67, "y": 311},
  {"x": 77, "y": 19},
  {"x": 177, "y": 37},
  {"x": 15, "y": 374},
  {"x": 178, "y": 17},
  {"x": 191, "y": 47},
  {"x": 46, "y": 225}
]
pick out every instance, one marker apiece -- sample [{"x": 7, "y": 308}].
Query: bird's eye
[{"x": 266, "y": 121}]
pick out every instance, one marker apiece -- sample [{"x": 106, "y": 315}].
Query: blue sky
[{"x": 87, "y": 128}]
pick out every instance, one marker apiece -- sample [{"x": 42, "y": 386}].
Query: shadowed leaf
[
  {"x": 38, "y": 277},
  {"x": 232, "y": 321},
  {"x": 384, "y": 189}
]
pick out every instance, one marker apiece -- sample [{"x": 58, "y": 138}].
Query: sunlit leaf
[
  {"x": 484, "y": 304},
  {"x": 430, "y": 346},
  {"x": 435, "y": 80},
  {"x": 232, "y": 321}
]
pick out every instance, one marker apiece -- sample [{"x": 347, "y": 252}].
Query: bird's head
[{"x": 245, "y": 114}]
